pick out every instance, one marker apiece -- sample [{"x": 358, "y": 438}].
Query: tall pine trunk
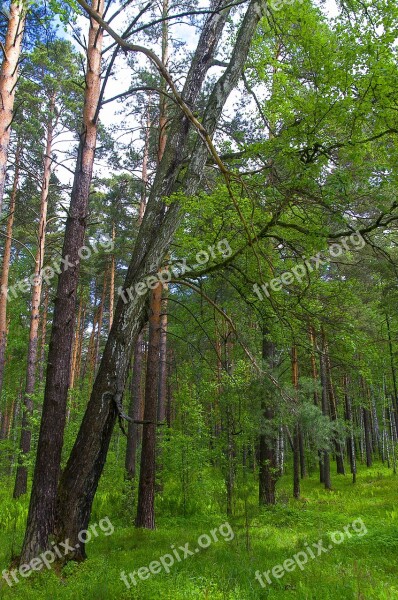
[
  {"x": 41, "y": 516},
  {"x": 146, "y": 487}
]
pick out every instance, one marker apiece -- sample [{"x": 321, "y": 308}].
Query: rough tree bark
[{"x": 41, "y": 516}]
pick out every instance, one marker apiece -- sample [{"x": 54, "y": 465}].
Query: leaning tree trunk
[
  {"x": 21, "y": 479},
  {"x": 8, "y": 82},
  {"x": 83, "y": 470},
  {"x": 6, "y": 264},
  {"x": 41, "y": 517}
]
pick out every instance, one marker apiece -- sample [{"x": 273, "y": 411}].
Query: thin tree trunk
[
  {"x": 135, "y": 409},
  {"x": 76, "y": 343},
  {"x": 91, "y": 342},
  {"x": 230, "y": 451},
  {"x": 296, "y": 434},
  {"x": 267, "y": 458},
  {"x": 80, "y": 346},
  {"x": 333, "y": 412},
  {"x": 325, "y": 410},
  {"x": 350, "y": 438},
  {"x": 134, "y": 431},
  {"x": 146, "y": 489},
  {"x": 112, "y": 281},
  {"x": 21, "y": 480},
  {"x": 313, "y": 365},
  {"x": 100, "y": 318},
  {"x": 367, "y": 423},
  {"x": 43, "y": 334},
  {"x": 368, "y": 436},
  {"x": 42, "y": 508},
  {"x": 162, "y": 382},
  {"x": 6, "y": 264},
  {"x": 394, "y": 376},
  {"x": 8, "y": 81},
  {"x": 163, "y": 363}
]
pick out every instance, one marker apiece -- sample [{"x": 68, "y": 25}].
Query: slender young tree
[
  {"x": 6, "y": 262},
  {"x": 267, "y": 460},
  {"x": 146, "y": 489},
  {"x": 21, "y": 480},
  {"x": 325, "y": 462},
  {"x": 296, "y": 433}
]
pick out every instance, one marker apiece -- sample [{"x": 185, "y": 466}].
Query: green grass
[{"x": 361, "y": 567}]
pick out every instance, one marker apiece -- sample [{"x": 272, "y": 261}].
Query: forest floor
[{"x": 361, "y": 561}]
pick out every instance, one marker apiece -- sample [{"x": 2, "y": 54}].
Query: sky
[{"x": 110, "y": 113}]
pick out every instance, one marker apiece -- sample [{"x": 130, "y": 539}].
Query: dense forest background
[{"x": 198, "y": 322}]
